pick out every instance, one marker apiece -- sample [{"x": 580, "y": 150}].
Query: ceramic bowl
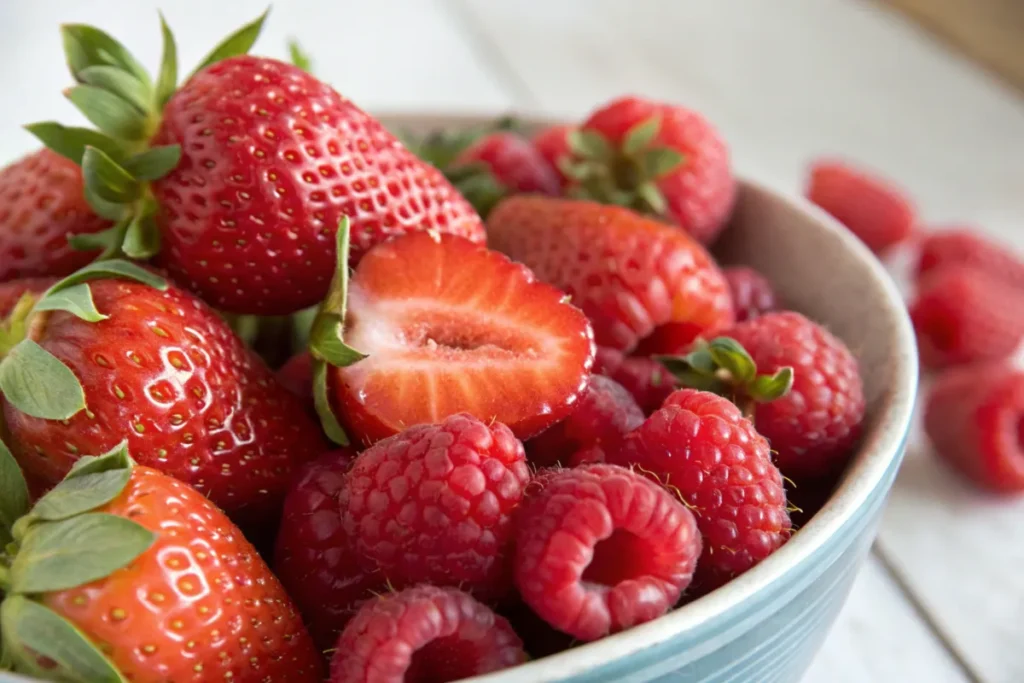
[{"x": 766, "y": 625}]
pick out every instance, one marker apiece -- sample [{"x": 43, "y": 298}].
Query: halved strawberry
[{"x": 442, "y": 326}]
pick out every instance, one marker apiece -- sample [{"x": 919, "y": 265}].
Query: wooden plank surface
[{"x": 785, "y": 81}]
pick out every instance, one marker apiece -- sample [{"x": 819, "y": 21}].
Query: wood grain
[{"x": 988, "y": 31}]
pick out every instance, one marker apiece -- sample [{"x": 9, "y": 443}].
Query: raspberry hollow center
[
  {"x": 620, "y": 557},
  {"x": 441, "y": 660}
]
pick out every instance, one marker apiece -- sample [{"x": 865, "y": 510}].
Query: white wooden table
[{"x": 942, "y": 598}]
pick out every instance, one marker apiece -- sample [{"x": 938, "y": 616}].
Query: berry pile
[{"x": 288, "y": 395}]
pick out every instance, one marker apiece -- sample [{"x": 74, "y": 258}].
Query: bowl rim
[{"x": 869, "y": 470}]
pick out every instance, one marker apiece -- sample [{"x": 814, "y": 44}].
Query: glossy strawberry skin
[
  {"x": 272, "y": 159},
  {"x": 628, "y": 273},
  {"x": 701, "y": 192},
  {"x": 553, "y": 145},
  {"x": 166, "y": 373},
  {"x": 199, "y": 605},
  {"x": 450, "y": 327},
  {"x": 514, "y": 163},
  {"x": 41, "y": 204}
]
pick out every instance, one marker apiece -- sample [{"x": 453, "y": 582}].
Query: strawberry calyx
[
  {"x": 32, "y": 379},
  {"x": 625, "y": 176},
  {"x": 326, "y": 337},
  {"x": 61, "y": 542},
  {"x": 722, "y": 366},
  {"x": 125, "y": 104}
]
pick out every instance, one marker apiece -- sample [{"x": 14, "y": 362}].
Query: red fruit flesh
[
  {"x": 871, "y": 207},
  {"x": 752, "y": 293},
  {"x": 628, "y": 273},
  {"x": 606, "y": 413},
  {"x": 701, "y": 446},
  {"x": 974, "y": 418},
  {"x": 813, "y": 429},
  {"x": 701, "y": 192},
  {"x": 964, "y": 315},
  {"x": 452, "y": 327},
  {"x": 166, "y": 373},
  {"x": 553, "y": 145},
  {"x": 600, "y": 549},
  {"x": 272, "y": 158},
  {"x": 41, "y": 204},
  {"x": 434, "y": 505},
  {"x": 513, "y": 162},
  {"x": 966, "y": 247},
  {"x": 424, "y": 635},
  {"x": 314, "y": 558}
]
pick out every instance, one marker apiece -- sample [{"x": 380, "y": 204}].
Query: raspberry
[
  {"x": 752, "y": 293},
  {"x": 314, "y": 557},
  {"x": 700, "y": 445},
  {"x": 963, "y": 315},
  {"x": 670, "y": 339},
  {"x": 645, "y": 378},
  {"x": 974, "y": 418},
  {"x": 963, "y": 247},
  {"x": 424, "y": 634},
  {"x": 870, "y": 207},
  {"x": 814, "y": 426},
  {"x": 433, "y": 504},
  {"x": 606, "y": 413},
  {"x": 600, "y": 548}
]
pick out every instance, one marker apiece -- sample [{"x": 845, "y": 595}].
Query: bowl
[{"x": 766, "y": 625}]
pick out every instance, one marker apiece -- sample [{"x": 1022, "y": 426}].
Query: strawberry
[
  {"x": 965, "y": 247},
  {"x": 12, "y": 292},
  {"x": 553, "y": 144},
  {"x": 237, "y": 180},
  {"x": 123, "y": 573},
  {"x": 123, "y": 355},
  {"x": 873, "y": 209},
  {"x": 656, "y": 158},
  {"x": 628, "y": 273},
  {"x": 500, "y": 164},
  {"x": 41, "y": 205},
  {"x": 449, "y": 327}
]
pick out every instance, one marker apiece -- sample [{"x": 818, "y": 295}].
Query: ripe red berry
[
  {"x": 314, "y": 558},
  {"x": 600, "y": 549},
  {"x": 606, "y": 413},
  {"x": 647, "y": 380},
  {"x": 553, "y": 145},
  {"x": 424, "y": 634},
  {"x": 814, "y": 427},
  {"x": 752, "y": 293},
  {"x": 514, "y": 165},
  {"x": 974, "y": 418},
  {"x": 963, "y": 315},
  {"x": 433, "y": 504},
  {"x": 700, "y": 445},
  {"x": 296, "y": 375},
  {"x": 871, "y": 207},
  {"x": 965, "y": 247}
]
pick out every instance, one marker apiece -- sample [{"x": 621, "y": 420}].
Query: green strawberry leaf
[
  {"x": 142, "y": 239},
  {"x": 117, "y": 458},
  {"x": 118, "y": 82},
  {"x": 326, "y": 340},
  {"x": 482, "y": 190},
  {"x": 589, "y": 144},
  {"x": 71, "y": 142},
  {"x": 108, "y": 179},
  {"x": 100, "y": 270},
  {"x": 238, "y": 43},
  {"x": 167, "y": 80},
  {"x": 31, "y": 630},
  {"x": 652, "y": 198},
  {"x": 659, "y": 162},
  {"x": 59, "y": 555},
  {"x": 13, "y": 494},
  {"x": 108, "y": 112},
  {"x": 299, "y": 56},
  {"x": 154, "y": 163},
  {"x": 729, "y": 355},
  {"x": 107, "y": 241},
  {"x": 76, "y": 300},
  {"x": 335, "y": 432},
  {"x": 86, "y": 46},
  {"x": 112, "y": 211},
  {"x": 640, "y": 136},
  {"x": 81, "y": 493},
  {"x": 35, "y": 382},
  {"x": 765, "y": 388}
]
